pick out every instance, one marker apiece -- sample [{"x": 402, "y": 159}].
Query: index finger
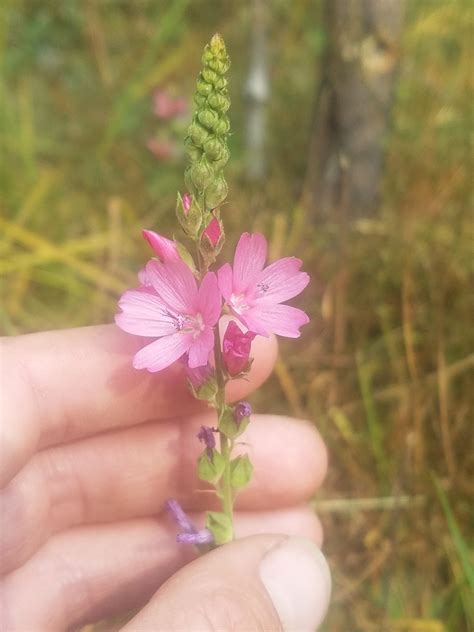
[{"x": 63, "y": 385}]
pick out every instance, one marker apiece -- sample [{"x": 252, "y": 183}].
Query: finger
[
  {"x": 259, "y": 583},
  {"x": 90, "y": 573},
  {"x": 130, "y": 473},
  {"x": 62, "y": 385}
]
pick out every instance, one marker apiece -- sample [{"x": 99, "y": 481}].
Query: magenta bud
[
  {"x": 164, "y": 248},
  {"x": 236, "y": 349},
  {"x": 213, "y": 231}
]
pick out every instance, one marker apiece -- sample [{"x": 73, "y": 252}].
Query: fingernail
[{"x": 297, "y": 578}]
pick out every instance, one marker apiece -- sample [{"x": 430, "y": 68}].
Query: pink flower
[
  {"x": 166, "y": 107},
  {"x": 254, "y": 293},
  {"x": 236, "y": 348},
  {"x": 175, "y": 311},
  {"x": 213, "y": 231},
  {"x": 162, "y": 148}
]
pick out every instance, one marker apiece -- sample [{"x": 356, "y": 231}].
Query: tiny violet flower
[
  {"x": 190, "y": 534},
  {"x": 206, "y": 436},
  {"x": 241, "y": 410},
  {"x": 236, "y": 348},
  {"x": 203, "y": 536},
  {"x": 213, "y": 231},
  {"x": 180, "y": 517},
  {"x": 175, "y": 311},
  {"x": 254, "y": 293}
]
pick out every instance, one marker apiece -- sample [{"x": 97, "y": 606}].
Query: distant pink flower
[
  {"x": 236, "y": 348},
  {"x": 213, "y": 231},
  {"x": 175, "y": 311},
  {"x": 166, "y": 107},
  {"x": 162, "y": 148},
  {"x": 254, "y": 293}
]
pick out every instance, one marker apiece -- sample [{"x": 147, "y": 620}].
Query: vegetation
[{"x": 386, "y": 370}]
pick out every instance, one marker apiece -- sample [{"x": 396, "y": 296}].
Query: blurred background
[{"x": 350, "y": 147}]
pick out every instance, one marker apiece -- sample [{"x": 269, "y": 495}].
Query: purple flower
[
  {"x": 241, "y": 410},
  {"x": 203, "y": 536},
  {"x": 189, "y": 535},
  {"x": 206, "y": 436},
  {"x": 180, "y": 517},
  {"x": 254, "y": 293},
  {"x": 236, "y": 348}
]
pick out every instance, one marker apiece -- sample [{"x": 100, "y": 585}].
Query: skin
[{"x": 90, "y": 449}]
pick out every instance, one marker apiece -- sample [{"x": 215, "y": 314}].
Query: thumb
[{"x": 264, "y": 582}]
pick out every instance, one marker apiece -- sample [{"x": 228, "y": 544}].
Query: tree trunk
[{"x": 353, "y": 108}]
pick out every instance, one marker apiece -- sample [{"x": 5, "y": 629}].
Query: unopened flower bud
[{"x": 236, "y": 347}]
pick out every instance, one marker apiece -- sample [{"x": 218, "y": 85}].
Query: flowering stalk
[{"x": 179, "y": 303}]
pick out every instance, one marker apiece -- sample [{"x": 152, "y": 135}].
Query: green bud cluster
[{"x": 206, "y": 142}]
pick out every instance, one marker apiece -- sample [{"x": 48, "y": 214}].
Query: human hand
[{"x": 91, "y": 448}]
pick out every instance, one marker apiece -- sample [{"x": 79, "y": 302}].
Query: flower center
[
  {"x": 239, "y": 303},
  {"x": 189, "y": 324}
]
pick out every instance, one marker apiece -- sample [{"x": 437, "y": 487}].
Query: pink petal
[
  {"x": 281, "y": 281},
  {"x": 175, "y": 284},
  {"x": 249, "y": 260},
  {"x": 144, "y": 314},
  {"x": 201, "y": 348},
  {"x": 252, "y": 321},
  {"x": 283, "y": 320},
  {"x": 164, "y": 248},
  {"x": 143, "y": 278},
  {"x": 162, "y": 352},
  {"x": 224, "y": 275},
  {"x": 209, "y": 299}
]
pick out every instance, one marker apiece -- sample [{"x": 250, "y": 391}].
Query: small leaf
[
  {"x": 240, "y": 471},
  {"x": 220, "y": 525},
  {"x": 211, "y": 469}
]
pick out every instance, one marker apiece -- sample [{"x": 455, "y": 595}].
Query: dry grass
[{"x": 385, "y": 370}]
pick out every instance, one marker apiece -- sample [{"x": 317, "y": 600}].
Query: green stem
[{"x": 227, "y": 496}]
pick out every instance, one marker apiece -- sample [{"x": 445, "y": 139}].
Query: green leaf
[
  {"x": 211, "y": 469},
  {"x": 220, "y": 525},
  {"x": 240, "y": 471}
]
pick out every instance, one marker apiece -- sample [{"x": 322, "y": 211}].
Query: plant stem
[{"x": 226, "y": 445}]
